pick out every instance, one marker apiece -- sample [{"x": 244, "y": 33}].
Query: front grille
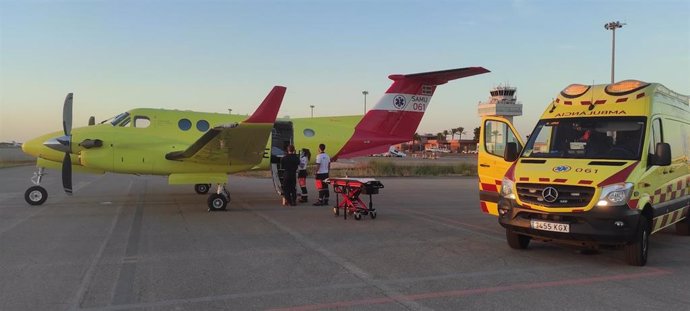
[{"x": 568, "y": 196}]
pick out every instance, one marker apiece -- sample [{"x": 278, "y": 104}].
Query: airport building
[{"x": 503, "y": 102}]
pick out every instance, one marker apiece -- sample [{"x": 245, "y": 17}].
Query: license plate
[{"x": 550, "y": 226}]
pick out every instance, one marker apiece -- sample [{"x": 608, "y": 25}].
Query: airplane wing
[{"x": 237, "y": 144}]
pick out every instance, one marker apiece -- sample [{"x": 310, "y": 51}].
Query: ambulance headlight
[
  {"x": 508, "y": 189},
  {"x": 615, "y": 194}
]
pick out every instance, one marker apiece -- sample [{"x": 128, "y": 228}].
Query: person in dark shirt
[{"x": 289, "y": 163}]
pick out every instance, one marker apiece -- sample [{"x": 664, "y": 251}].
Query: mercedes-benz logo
[{"x": 550, "y": 194}]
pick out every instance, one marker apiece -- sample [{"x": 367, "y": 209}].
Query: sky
[{"x": 217, "y": 55}]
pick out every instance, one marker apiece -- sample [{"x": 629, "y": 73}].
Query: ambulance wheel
[
  {"x": 336, "y": 211},
  {"x": 636, "y": 251},
  {"x": 35, "y": 195},
  {"x": 683, "y": 226},
  {"x": 202, "y": 188},
  {"x": 358, "y": 216},
  {"x": 372, "y": 214},
  {"x": 217, "y": 202},
  {"x": 517, "y": 241}
]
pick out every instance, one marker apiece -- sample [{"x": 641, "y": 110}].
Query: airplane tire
[
  {"x": 372, "y": 214},
  {"x": 636, "y": 251},
  {"x": 35, "y": 195},
  {"x": 202, "y": 188},
  {"x": 358, "y": 215},
  {"x": 517, "y": 241},
  {"x": 217, "y": 202}
]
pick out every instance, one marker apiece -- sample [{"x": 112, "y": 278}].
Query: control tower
[{"x": 502, "y": 103}]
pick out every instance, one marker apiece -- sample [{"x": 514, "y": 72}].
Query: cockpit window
[{"x": 119, "y": 118}]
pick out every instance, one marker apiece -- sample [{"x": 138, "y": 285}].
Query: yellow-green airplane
[{"x": 203, "y": 148}]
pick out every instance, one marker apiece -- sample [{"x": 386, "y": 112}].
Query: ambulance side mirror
[
  {"x": 511, "y": 153},
  {"x": 662, "y": 154}
]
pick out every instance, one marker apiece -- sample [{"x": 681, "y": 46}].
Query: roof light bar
[
  {"x": 574, "y": 90},
  {"x": 625, "y": 87}
]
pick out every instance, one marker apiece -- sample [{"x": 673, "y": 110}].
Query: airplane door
[
  {"x": 282, "y": 135},
  {"x": 495, "y": 133}
]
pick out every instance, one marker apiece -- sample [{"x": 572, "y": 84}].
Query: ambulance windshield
[{"x": 587, "y": 138}]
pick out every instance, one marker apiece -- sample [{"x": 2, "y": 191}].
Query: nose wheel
[
  {"x": 202, "y": 188},
  {"x": 36, "y": 195},
  {"x": 219, "y": 201}
]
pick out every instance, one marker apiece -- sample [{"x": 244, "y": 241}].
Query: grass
[{"x": 389, "y": 169}]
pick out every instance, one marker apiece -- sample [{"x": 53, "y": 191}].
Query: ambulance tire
[
  {"x": 202, "y": 188},
  {"x": 683, "y": 226},
  {"x": 217, "y": 202},
  {"x": 517, "y": 241},
  {"x": 636, "y": 251}
]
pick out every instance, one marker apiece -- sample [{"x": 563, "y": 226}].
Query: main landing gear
[
  {"x": 36, "y": 195},
  {"x": 218, "y": 201}
]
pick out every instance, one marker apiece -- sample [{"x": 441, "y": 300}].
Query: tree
[
  {"x": 460, "y": 130},
  {"x": 452, "y": 133},
  {"x": 476, "y": 133},
  {"x": 445, "y": 135},
  {"x": 440, "y": 137},
  {"x": 416, "y": 139}
]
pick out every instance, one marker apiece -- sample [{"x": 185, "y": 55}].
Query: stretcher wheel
[
  {"x": 358, "y": 215},
  {"x": 336, "y": 211},
  {"x": 372, "y": 214}
]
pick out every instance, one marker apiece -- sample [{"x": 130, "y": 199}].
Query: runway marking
[
  {"x": 391, "y": 294},
  {"x": 124, "y": 287},
  {"x": 88, "y": 275},
  {"x": 42, "y": 208},
  {"x": 457, "y": 225},
  {"x": 478, "y": 291}
]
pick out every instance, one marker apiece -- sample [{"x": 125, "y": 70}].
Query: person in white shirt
[
  {"x": 302, "y": 173},
  {"x": 323, "y": 164}
]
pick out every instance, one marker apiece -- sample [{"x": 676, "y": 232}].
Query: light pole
[
  {"x": 365, "y": 93},
  {"x": 312, "y": 110},
  {"x": 612, "y": 26}
]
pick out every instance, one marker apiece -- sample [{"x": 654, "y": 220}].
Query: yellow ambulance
[{"x": 605, "y": 165}]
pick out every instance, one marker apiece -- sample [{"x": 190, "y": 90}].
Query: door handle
[{"x": 484, "y": 165}]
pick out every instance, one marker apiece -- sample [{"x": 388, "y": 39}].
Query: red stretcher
[{"x": 350, "y": 189}]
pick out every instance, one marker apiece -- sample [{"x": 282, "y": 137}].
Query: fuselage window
[
  {"x": 141, "y": 122},
  {"x": 308, "y": 133},
  {"x": 184, "y": 124},
  {"x": 202, "y": 125}
]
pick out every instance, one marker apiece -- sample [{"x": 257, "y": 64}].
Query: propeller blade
[
  {"x": 67, "y": 115},
  {"x": 67, "y": 173}
]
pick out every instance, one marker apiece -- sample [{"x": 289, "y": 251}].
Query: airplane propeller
[{"x": 67, "y": 160}]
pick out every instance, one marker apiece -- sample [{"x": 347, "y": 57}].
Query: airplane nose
[{"x": 61, "y": 143}]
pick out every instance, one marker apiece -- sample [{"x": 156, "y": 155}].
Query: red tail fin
[
  {"x": 397, "y": 115},
  {"x": 268, "y": 110}
]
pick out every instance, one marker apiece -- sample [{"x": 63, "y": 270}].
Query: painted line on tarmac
[
  {"x": 43, "y": 208},
  {"x": 91, "y": 270},
  {"x": 479, "y": 291},
  {"x": 462, "y": 226},
  {"x": 393, "y": 295},
  {"x": 124, "y": 286}
]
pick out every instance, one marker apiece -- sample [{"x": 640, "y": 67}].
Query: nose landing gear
[{"x": 36, "y": 195}]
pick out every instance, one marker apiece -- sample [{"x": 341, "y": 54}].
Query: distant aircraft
[{"x": 203, "y": 148}]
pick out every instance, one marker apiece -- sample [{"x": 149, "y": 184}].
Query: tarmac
[{"x": 125, "y": 242}]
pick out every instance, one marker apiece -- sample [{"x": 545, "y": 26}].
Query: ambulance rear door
[{"x": 495, "y": 134}]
